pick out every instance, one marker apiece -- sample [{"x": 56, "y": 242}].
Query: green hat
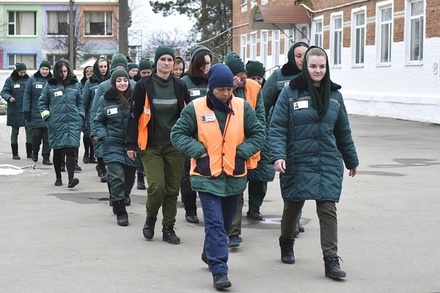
[
  {"x": 255, "y": 68},
  {"x": 119, "y": 60},
  {"x": 45, "y": 64},
  {"x": 234, "y": 62},
  {"x": 118, "y": 72},
  {"x": 145, "y": 64},
  {"x": 20, "y": 66},
  {"x": 162, "y": 50},
  {"x": 132, "y": 65}
]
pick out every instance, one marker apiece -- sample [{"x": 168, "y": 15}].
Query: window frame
[
  {"x": 14, "y": 23},
  {"x": 243, "y": 46},
  {"x": 253, "y": 46},
  {"x": 333, "y": 42},
  {"x": 48, "y": 25},
  {"x": 264, "y": 46},
  {"x": 358, "y": 45},
  {"x": 276, "y": 40},
  {"x": 11, "y": 65},
  {"x": 409, "y": 31},
  {"x": 316, "y": 33},
  {"x": 380, "y": 7},
  {"x": 106, "y": 26}
]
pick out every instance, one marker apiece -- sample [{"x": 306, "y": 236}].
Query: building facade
[
  {"x": 34, "y": 31},
  {"x": 385, "y": 54}
]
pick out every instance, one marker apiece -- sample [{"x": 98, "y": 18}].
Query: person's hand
[
  {"x": 11, "y": 100},
  {"x": 203, "y": 155},
  {"x": 352, "y": 172},
  {"x": 131, "y": 154},
  {"x": 280, "y": 166},
  {"x": 95, "y": 138}
]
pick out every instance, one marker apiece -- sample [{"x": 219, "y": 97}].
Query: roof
[{"x": 278, "y": 16}]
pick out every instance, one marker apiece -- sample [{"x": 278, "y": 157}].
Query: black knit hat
[
  {"x": 118, "y": 73},
  {"x": 132, "y": 66},
  {"x": 20, "y": 66},
  {"x": 234, "y": 62},
  {"x": 219, "y": 75},
  {"x": 255, "y": 68},
  {"x": 162, "y": 50},
  {"x": 45, "y": 64}
]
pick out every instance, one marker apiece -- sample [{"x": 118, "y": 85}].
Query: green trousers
[
  {"x": 328, "y": 223},
  {"x": 256, "y": 191},
  {"x": 120, "y": 180},
  {"x": 163, "y": 169},
  {"x": 16, "y": 130}
]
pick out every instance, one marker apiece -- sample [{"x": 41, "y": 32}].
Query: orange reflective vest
[
  {"x": 144, "y": 118},
  {"x": 251, "y": 91},
  {"x": 220, "y": 147}
]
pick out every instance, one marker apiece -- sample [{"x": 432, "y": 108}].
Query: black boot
[
  {"x": 127, "y": 200},
  {"x": 121, "y": 212},
  {"x": 140, "y": 181},
  {"x": 29, "y": 150},
  {"x": 221, "y": 281},
  {"x": 168, "y": 235},
  {"x": 332, "y": 267},
  {"x": 287, "y": 250},
  {"x": 14, "y": 148},
  {"x": 148, "y": 229}
]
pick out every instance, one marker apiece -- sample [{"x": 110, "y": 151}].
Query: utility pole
[
  {"x": 123, "y": 26},
  {"x": 71, "y": 36}
]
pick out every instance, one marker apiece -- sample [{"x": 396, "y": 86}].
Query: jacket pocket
[
  {"x": 202, "y": 166},
  {"x": 240, "y": 166}
]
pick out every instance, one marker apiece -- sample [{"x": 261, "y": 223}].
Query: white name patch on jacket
[
  {"x": 300, "y": 105},
  {"x": 208, "y": 118}
]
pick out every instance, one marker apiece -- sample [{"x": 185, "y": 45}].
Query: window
[
  {"x": 415, "y": 29},
  {"x": 98, "y": 23},
  {"x": 57, "y": 22},
  {"x": 336, "y": 39},
  {"x": 317, "y": 35},
  {"x": 28, "y": 59},
  {"x": 22, "y": 23},
  {"x": 302, "y": 33},
  {"x": 264, "y": 2},
  {"x": 253, "y": 47},
  {"x": 358, "y": 37},
  {"x": 384, "y": 33},
  {"x": 253, "y": 3},
  {"x": 264, "y": 47},
  {"x": 243, "y": 47},
  {"x": 276, "y": 47},
  {"x": 53, "y": 58},
  {"x": 243, "y": 5}
]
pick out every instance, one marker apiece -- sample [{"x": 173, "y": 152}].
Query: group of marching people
[{"x": 212, "y": 130}]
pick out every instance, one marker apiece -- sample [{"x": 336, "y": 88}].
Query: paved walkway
[{"x": 57, "y": 240}]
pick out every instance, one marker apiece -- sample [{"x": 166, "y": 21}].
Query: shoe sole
[
  {"x": 234, "y": 245},
  {"x": 336, "y": 277},
  {"x": 222, "y": 285}
]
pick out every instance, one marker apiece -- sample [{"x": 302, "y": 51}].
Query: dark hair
[
  {"x": 198, "y": 62},
  {"x": 58, "y": 71}
]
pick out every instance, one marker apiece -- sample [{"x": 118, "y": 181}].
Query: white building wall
[{"x": 409, "y": 92}]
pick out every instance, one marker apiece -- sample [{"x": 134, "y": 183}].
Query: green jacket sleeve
[{"x": 278, "y": 128}]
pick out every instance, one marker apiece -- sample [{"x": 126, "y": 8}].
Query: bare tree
[{"x": 179, "y": 41}]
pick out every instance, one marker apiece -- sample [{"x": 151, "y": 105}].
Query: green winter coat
[
  {"x": 196, "y": 88},
  {"x": 66, "y": 114},
  {"x": 99, "y": 92},
  {"x": 111, "y": 128},
  {"x": 15, "y": 86},
  {"x": 314, "y": 150},
  {"x": 184, "y": 137},
  {"x": 32, "y": 93}
]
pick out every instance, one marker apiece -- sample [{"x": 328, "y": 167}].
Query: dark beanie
[
  {"x": 234, "y": 62},
  {"x": 255, "y": 68},
  {"x": 118, "y": 72},
  {"x": 132, "y": 65},
  {"x": 45, "y": 64},
  {"x": 219, "y": 75},
  {"x": 162, "y": 50},
  {"x": 145, "y": 64},
  {"x": 119, "y": 60},
  {"x": 198, "y": 49},
  {"x": 20, "y": 66}
]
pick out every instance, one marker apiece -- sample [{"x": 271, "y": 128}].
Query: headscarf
[
  {"x": 290, "y": 67},
  {"x": 320, "y": 96}
]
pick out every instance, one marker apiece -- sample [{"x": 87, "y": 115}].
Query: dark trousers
[
  {"x": 189, "y": 197},
  {"x": 88, "y": 147},
  {"x": 120, "y": 180},
  {"x": 58, "y": 156},
  {"x": 39, "y": 136},
  {"x": 328, "y": 223},
  {"x": 217, "y": 213}
]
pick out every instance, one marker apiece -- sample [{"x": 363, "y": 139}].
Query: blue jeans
[{"x": 217, "y": 213}]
